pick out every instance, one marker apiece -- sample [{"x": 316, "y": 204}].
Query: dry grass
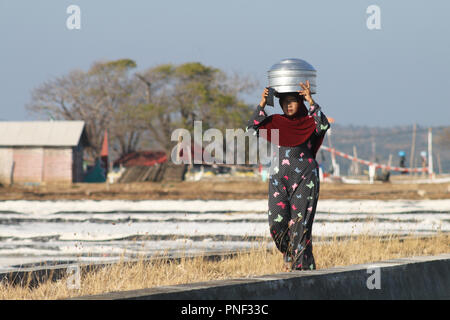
[{"x": 126, "y": 276}]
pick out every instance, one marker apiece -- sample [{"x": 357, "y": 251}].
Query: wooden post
[
  {"x": 373, "y": 149},
  {"x": 430, "y": 153},
  {"x": 333, "y": 156},
  {"x": 413, "y": 147},
  {"x": 439, "y": 162},
  {"x": 355, "y": 163}
]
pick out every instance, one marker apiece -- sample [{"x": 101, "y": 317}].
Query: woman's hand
[
  {"x": 306, "y": 92},
  {"x": 264, "y": 95}
]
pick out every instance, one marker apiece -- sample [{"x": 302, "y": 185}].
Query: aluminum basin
[{"x": 286, "y": 75}]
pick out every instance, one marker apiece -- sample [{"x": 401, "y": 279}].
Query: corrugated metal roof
[{"x": 40, "y": 133}]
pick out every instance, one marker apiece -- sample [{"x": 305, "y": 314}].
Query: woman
[{"x": 294, "y": 186}]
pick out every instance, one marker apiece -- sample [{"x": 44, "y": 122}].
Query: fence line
[{"x": 370, "y": 163}]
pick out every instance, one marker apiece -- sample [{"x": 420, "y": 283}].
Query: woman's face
[{"x": 290, "y": 105}]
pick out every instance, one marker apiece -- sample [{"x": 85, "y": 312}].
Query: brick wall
[
  {"x": 36, "y": 164},
  {"x": 57, "y": 165},
  {"x": 28, "y": 164}
]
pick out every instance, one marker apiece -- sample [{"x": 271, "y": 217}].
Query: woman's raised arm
[
  {"x": 322, "y": 124},
  {"x": 259, "y": 116}
]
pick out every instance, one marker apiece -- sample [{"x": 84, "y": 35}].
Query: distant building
[{"x": 42, "y": 151}]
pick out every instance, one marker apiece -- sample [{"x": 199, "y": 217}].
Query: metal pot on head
[{"x": 286, "y": 75}]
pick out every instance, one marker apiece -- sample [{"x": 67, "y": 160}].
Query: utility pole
[
  {"x": 439, "y": 162},
  {"x": 333, "y": 156},
  {"x": 355, "y": 164},
  {"x": 413, "y": 147},
  {"x": 430, "y": 153},
  {"x": 373, "y": 149}
]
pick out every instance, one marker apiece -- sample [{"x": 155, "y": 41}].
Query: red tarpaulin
[{"x": 142, "y": 158}]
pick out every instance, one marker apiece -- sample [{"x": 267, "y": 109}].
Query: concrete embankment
[{"x": 426, "y": 277}]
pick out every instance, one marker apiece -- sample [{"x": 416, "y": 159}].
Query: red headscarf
[{"x": 292, "y": 131}]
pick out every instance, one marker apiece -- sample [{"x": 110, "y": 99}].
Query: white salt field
[{"x": 91, "y": 231}]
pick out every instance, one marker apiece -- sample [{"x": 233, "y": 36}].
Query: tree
[
  {"x": 99, "y": 97},
  {"x": 149, "y": 105},
  {"x": 176, "y": 96}
]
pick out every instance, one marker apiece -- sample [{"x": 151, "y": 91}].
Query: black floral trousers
[{"x": 293, "y": 196}]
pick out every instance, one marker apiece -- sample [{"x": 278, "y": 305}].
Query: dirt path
[{"x": 218, "y": 190}]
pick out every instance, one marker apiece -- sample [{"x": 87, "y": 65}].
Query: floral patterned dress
[{"x": 294, "y": 192}]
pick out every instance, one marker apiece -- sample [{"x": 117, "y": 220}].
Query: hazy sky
[{"x": 397, "y": 75}]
